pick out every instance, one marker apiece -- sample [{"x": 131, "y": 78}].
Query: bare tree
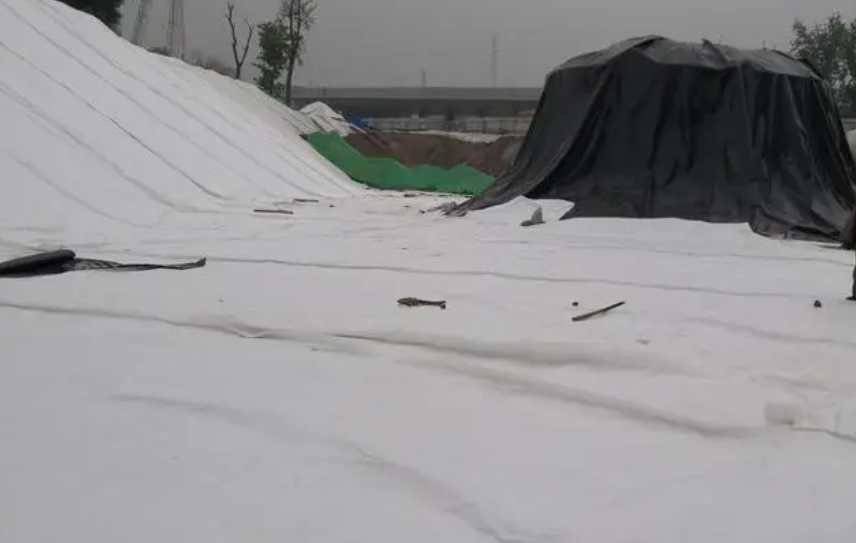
[
  {"x": 298, "y": 17},
  {"x": 240, "y": 58}
]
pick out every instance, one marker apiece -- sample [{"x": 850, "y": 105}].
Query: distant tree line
[
  {"x": 831, "y": 48},
  {"x": 829, "y": 45}
]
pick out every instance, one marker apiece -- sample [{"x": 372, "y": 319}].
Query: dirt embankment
[{"x": 436, "y": 150}]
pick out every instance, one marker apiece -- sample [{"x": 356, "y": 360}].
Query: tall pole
[
  {"x": 140, "y": 23},
  {"x": 175, "y": 36},
  {"x": 494, "y": 60}
]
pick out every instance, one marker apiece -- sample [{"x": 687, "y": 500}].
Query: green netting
[{"x": 388, "y": 173}]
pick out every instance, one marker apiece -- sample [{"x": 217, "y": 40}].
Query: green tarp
[{"x": 388, "y": 173}]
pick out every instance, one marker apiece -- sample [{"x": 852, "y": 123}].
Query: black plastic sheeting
[
  {"x": 64, "y": 260},
  {"x": 656, "y": 128}
]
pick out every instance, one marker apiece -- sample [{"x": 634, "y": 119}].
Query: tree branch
[
  {"x": 230, "y": 18},
  {"x": 247, "y": 44}
]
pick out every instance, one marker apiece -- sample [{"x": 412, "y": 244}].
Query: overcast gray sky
[{"x": 389, "y": 42}]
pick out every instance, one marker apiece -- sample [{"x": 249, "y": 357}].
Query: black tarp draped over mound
[{"x": 655, "y": 128}]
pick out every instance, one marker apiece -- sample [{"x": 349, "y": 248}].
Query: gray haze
[{"x": 389, "y": 42}]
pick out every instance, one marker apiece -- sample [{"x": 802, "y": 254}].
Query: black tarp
[
  {"x": 64, "y": 260},
  {"x": 656, "y": 128}
]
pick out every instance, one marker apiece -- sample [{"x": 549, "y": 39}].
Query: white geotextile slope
[
  {"x": 95, "y": 129},
  {"x": 327, "y": 119},
  {"x": 278, "y": 114}
]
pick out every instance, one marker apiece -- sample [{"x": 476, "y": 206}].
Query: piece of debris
[
  {"x": 305, "y": 201},
  {"x": 410, "y": 195},
  {"x": 279, "y": 211},
  {"x": 455, "y": 210},
  {"x": 537, "y": 218},
  {"x": 817, "y": 303},
  {"x": 415, "y": 302},
  {"x": 445, "y": 207},
  {"x": 586, "y": 316},
  {"x": 575, "y": 304}
]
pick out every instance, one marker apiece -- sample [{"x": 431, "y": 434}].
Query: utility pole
[
  {"x": 494, "y": 60},
  {"x": 175, "y": 35},
  {"x": 140, "y": 23},
  {"x": 175, "y": 26},
  {"x": 424, "y": 79}
]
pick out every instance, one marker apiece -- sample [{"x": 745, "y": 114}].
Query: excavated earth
[{"x": 436, "y": 150}]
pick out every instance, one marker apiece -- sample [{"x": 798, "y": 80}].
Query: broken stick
[
  {"x": 280, "y": 211},
  {"x": 414, "y": 302},
  {"x": 586, "y": 316}
]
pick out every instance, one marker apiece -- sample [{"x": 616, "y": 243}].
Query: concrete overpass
[{"x": 447, "y": 102}]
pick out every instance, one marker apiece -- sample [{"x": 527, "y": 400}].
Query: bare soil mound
[{"x": 436, "y": 150}]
